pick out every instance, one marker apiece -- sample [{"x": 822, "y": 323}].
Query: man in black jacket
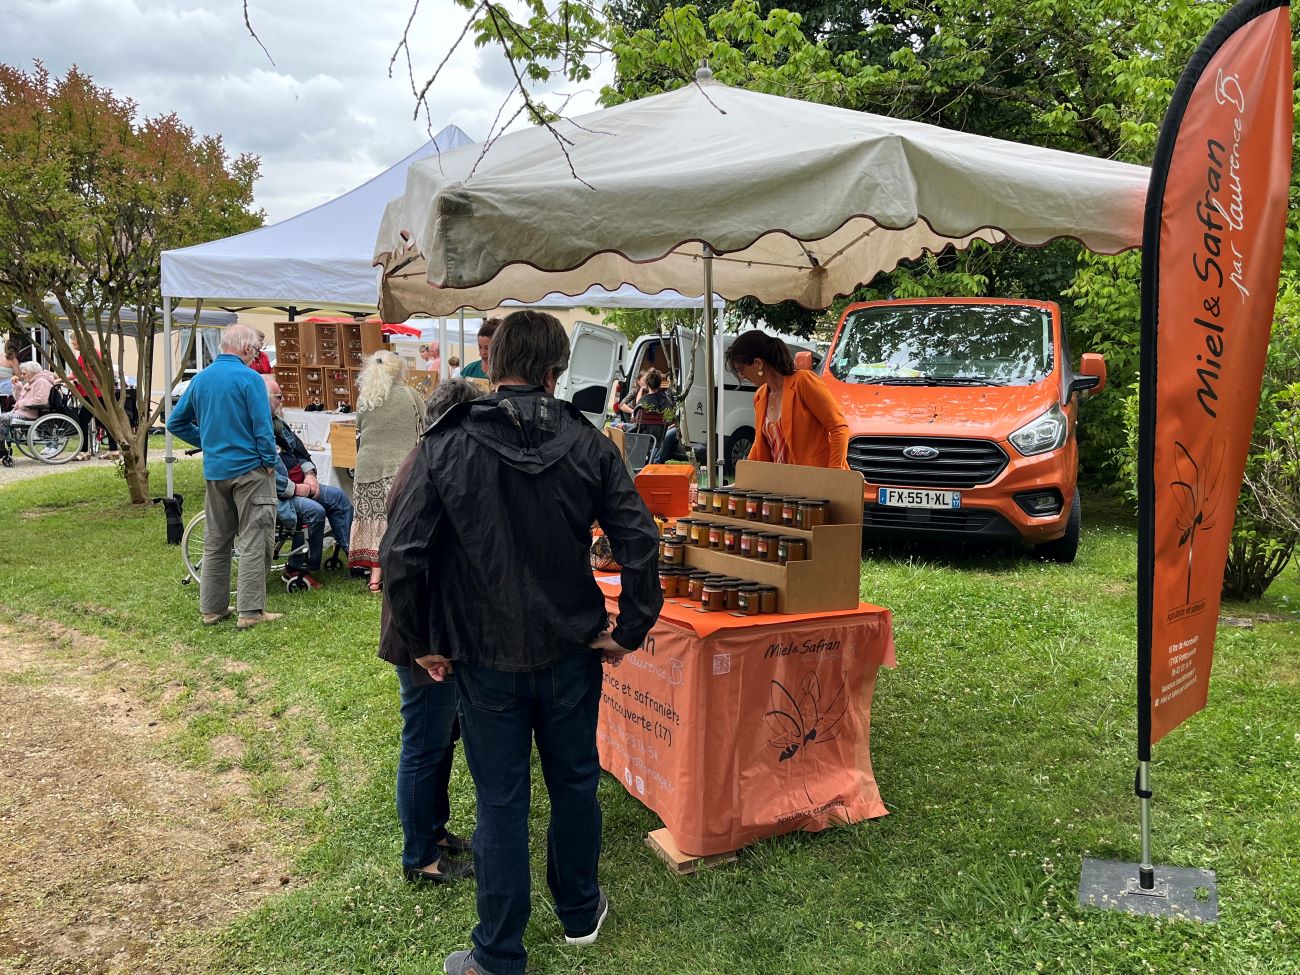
[{"x": 504, "y": 598}]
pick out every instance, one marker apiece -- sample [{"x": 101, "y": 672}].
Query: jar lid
[
  {"x": 793, "y": 500},
  {"x": 763, "y": 589},
  {"x": 750, "y": 587},
  {"x": 714, "y": 577},
  {"x": 816, "y": 500},
  {"x": 696, "y": 573},
  {"x": 723, "y": 490},
  {"x": 714, "y": 586}
]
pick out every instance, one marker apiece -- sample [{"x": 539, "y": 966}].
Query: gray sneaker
[
  {"x": 583, "y": 938},
  {"x": 463, "y": 963}
]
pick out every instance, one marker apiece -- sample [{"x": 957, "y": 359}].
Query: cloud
[{"x": 325, "y": 117}]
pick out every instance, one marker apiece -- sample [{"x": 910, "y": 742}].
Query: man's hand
[
  {"x": 611, "y": 652},
  {"x": 439, "y": 667},
  {"x": 313, "y": 486}
]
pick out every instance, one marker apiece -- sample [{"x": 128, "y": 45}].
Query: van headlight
[{"x": 1045, "y": 433}]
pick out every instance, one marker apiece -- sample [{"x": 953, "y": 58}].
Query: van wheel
[
  {"x": 736, "y": 448},
  {"x": 1066, "y": 547}
]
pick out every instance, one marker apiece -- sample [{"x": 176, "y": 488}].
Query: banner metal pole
[{"x": 1146, "y": 871}]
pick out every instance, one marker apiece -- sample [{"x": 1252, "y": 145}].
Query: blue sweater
[{"x": 225, "y": 411}]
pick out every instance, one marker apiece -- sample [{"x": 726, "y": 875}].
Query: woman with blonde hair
[{"x": 390, "y": 419}]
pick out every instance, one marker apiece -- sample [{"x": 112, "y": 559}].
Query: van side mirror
[
  {"x": 1091, "y": 377},
  {"x": 803, "y": 360}
]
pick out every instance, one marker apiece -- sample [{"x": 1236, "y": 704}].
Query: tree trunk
[{"x": 136, "y": 471}]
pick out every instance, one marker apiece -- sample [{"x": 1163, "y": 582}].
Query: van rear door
[{"x": 595, "y": 358}]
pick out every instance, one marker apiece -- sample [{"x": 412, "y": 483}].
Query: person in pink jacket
[{"x": 32, "y": 388}]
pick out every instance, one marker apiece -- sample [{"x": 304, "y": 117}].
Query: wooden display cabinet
[
  {"x": 313, "y": 386},
  {"x": 290, "y": 380},
  {"x": 340, "y": 390},
  {"x": 329, "y": 344},
  {"x": 288, "y": 345},
  {"x": 829, "y": 578}
]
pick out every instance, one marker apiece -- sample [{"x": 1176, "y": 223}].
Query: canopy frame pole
[
  {"x": 462, "y": 339},
  {"x": 710, "y": 377},
  {"x": 442, "y": 350},
  {"x": 168, "y": 460}
]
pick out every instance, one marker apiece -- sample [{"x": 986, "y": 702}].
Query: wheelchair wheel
[
  {"x": 192, "y": 552},
  {"x": 295, "y": 585},
  {"x": 54, "y": 438}
]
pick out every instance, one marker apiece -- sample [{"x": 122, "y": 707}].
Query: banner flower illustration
[
  {"x": 799, "y": 722},
  {"x": 1197, "y": 493}
]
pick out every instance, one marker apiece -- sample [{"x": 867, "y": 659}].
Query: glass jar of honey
[
  {"x": 747, "y": 598},
  {"x": 715, "y": 536},
  {"x": 736, "y": 504},
  {"x": 683, "y": 528},
  {"x": 699, "y": 533},
  {"x": 754, "y": 506},
  {"x": 767, "y": 599},
  {"x": 704, "y": 501},
  {"x": 719, "y": 500},
  {"x": 789, "y": 511},
  {"x": 771, "y": 512},
  {"x": 791, "y": 550},
  {"x": 674, "y": 549},
  {"x": 695, "y": 585},
  {"x": 731, "y": 589},
  {"x": 731, "y": 538},
  {"x": 812, "y": 512},
  {"x": 749, "y": 543},
  {"x": 714, "y": 597}
]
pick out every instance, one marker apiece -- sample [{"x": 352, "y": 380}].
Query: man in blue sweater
[{"x": 225, "y": 413}]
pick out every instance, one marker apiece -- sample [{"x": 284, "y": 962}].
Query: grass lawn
[{"x": 1003, "y": 745}]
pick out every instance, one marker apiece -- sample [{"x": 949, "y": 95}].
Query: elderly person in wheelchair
[
  {"x": 304, "y": 505},
  {"x": 31, "y": 385}
]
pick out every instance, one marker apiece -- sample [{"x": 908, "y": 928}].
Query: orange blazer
[{"x": 816, "y": 433}]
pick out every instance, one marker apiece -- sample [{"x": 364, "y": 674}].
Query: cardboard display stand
[{"x": 828, "y": 578}]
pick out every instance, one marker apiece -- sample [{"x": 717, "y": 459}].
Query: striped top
[{"x": 775, "y": 441}]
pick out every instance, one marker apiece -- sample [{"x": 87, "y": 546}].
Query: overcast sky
[{"x": 324, "y": 118}]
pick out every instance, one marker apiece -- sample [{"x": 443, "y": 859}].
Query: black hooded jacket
[{"x": 486, "y": 557}]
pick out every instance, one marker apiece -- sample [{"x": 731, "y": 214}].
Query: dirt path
[{"x": 111, "y": 860}]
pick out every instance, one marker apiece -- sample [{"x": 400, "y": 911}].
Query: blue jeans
[
  {"x": 333, "y": 506},
  {"x": 670, "y": 449},
  {"x": 424, "y": 767},
  {"x": 500, "y": 714}
]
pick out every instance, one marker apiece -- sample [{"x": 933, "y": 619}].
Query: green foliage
[
  {"x": 90, "y": 197},
  {"x": 1267, "y": 528}
]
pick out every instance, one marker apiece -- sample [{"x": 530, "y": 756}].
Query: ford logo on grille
[{"x": 920, "y": 452}]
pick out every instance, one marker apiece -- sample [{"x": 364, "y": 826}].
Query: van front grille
[{"x": 956, "y": 463}]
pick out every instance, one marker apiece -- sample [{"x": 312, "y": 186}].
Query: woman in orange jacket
[{"x": 796, "y": 420}]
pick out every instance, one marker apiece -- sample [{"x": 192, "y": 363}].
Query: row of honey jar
[
  {"x": 759, "y": 506},
  {"x": 745, "y": 542},
  {"x": 716, "y": 592}
]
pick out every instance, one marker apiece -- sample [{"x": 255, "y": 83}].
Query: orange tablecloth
[{"x": 734, "y": 729}]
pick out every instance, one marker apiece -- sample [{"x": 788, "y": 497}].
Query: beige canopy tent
[{"x": 710, "y": 189}]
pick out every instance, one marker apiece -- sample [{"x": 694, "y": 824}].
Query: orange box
[{"x": 665, "y": 489}]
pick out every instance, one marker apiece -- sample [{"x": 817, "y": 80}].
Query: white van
[{"x": 600, "y": 356}]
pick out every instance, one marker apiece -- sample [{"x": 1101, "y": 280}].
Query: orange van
[{"x": 962, "y": 416}]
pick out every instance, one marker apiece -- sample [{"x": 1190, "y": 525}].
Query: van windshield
[{"x": 957, "y": 344}]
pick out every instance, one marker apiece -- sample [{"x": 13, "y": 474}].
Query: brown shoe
[
  {"x": 212, "y": 619},
  {"x": 247, "y": 622}
]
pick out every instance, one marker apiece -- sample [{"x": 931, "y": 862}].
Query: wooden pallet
[{"x": 683, "y": 863}]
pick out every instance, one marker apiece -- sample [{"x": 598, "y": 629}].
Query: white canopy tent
[
  {"x": 323, "y": 257},
  {"x": 710, "y": 189}
]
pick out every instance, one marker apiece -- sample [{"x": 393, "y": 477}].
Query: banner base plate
[{"x": 1180, "y": 892}]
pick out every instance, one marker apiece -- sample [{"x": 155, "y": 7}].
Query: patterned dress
[{"x": 385, "y": 435}]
